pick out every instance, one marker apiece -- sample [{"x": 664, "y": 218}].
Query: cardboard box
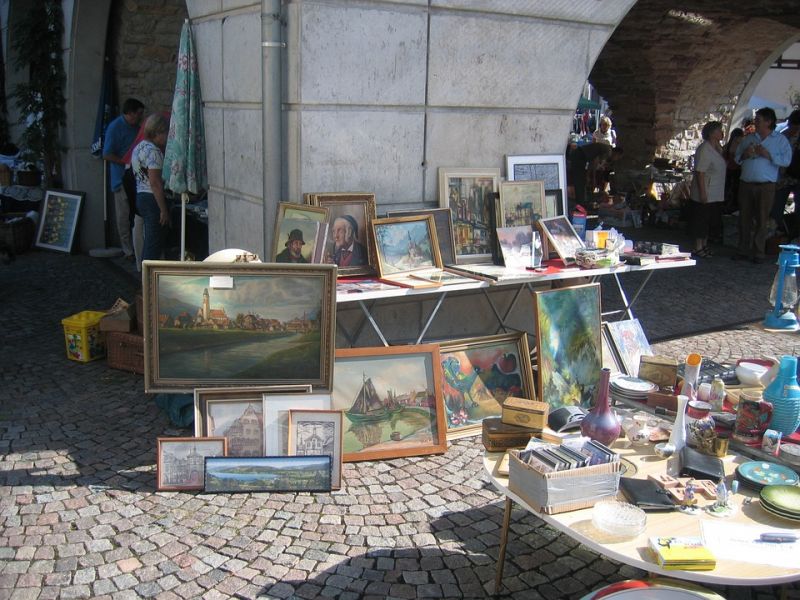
[
  {"x": 661, "y": 370},
  {"x": 497, "y": 436},
  {"x": 119, "y": 317},
  {"x": 525, "y": 413}
]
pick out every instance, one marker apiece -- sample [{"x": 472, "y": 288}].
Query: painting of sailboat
[{"x": 392, "y": 401}]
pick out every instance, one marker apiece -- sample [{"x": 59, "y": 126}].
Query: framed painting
[
  {"x": 290, "y": 210},
  {"x": 521, "y": 203},
  {"x": 61, "y": 211},
  {"x": 392, "y": 402},
  {"x": 630, "y": 343},
  {"x": 268, "y": 474},
  {"x": 299, "y": 241},
  {"x": 405, "y": 244},
  {"x": 553, "y": 203},
  {"x": 562, "y": 237},
  {"x": 180, "y": 461},
  {"x": 444, "y": 230},
  {"x": 470, "y": 196},
  {"x": 516, "y": 246},
  {"x": 568, "y": 344},
  {"x": 237, "y": 324},
  {"x": 611, "y": 359},
  {"x": 317, "y": 432},
  {"x": 549, "y": 168},
  {"x": 479, "y": 374},
  {"x": 349, "y": 244},
  {"x": 276, "y": 417}
]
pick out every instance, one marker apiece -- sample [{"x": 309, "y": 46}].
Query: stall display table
[{"x": 578, "y": 525}]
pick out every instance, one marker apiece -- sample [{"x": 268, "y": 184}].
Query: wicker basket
[{"x": 125, "y": 351}]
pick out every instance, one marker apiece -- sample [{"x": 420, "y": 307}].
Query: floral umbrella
[{"x": 185, "y": 156}]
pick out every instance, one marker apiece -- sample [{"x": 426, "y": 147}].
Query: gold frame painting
[
  {"x": 521, "y": 203},
  {"x": 405, "y": 244}
]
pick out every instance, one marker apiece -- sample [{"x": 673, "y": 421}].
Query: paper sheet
[{"x": 740, "y": 542}]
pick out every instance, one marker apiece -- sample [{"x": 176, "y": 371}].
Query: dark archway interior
[{"x": 668, "y": 66}]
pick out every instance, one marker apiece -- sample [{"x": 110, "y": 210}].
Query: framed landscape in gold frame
[
  {"x": 521, "y": 203},
  {"x": 479, "y": 374},
  {"x": 405, "y": 244},
  {"x": 444, "y": 230},
  {"x": 237, "y": 324},
  {"x": 392, "y": 402}
]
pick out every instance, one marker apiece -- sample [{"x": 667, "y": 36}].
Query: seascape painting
[
  {"x": 404, "y": 246},
  {"x": 478, "y": 375},
  {"x": 391, "y": 398},
  {"x": 569, "y": 344},
  {"x": 268, "y": 474}
]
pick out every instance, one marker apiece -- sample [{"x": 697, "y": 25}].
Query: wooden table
[{"x": 578, "y": 525}]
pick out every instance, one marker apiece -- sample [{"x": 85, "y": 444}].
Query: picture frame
[
  {"x": 267, "y": 474},
  {"x": 611, "y": 359},
  {"x": 292, "y": 210},
  {"x": 405, "y": 244},
  {"x": 391, "y": 398},
  {"x": 562, "y": 237},
  {"x": 568, "y": 344},
  {"x": 478, "y": 374},
  {"x": 315, "y": 432},
  {"x": 199, "y": 316},
  {"x": 516, "y": 246},
  {"x": 549, "y": 168},
  {"x": 305, "y": 236},
  {"x": 554, "y": 203},
  {"x": 444, "y": 230},
  {"x": 276, "y": 417},
  {"x": 521, "y": 203},
  {"x": 629, "y": 341},
  {"x": 61, "y": 211},
  {"x": 470, "y": 194},
  {"x": 349, "y": 218},
  {"x": 180, "y": 461}
]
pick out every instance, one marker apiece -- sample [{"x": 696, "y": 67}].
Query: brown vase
[{"x": 601, "y": 423}]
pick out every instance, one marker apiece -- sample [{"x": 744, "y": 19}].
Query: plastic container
[
  {"x": 619, "y": 519},
  {"x": 85, "y": 342}
]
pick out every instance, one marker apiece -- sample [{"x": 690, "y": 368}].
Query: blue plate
[{"x": 763, "y": 473}]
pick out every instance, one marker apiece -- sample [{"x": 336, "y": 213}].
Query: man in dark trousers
[{"x": 595, "y": 155}]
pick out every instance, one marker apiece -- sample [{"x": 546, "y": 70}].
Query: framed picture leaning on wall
[{"x": 61, "y": 211}]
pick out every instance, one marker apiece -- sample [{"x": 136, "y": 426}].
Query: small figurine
[
  {"x": 689, "y": 498},
  {"x": 724, "y": 506}
]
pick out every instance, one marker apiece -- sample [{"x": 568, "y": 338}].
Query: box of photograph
[
  {"x": 523, "y": 412},
  {"x": 562, "y": 491}
]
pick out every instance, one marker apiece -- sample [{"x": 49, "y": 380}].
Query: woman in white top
[
  {"x": 146, "y": 161},
  {"x": 708, "y": 186},
  {"x": 605, "y": 134}
]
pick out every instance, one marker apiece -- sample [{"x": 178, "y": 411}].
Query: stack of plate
[
  {"x": 758, "y": 474},
  {"x": 782, "y": 501},
  {"x": 632, "y": 389}
]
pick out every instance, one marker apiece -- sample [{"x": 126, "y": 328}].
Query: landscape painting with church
[{"x": 240, "y": 328}]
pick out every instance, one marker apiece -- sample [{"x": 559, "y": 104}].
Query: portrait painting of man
[{"x": 349, "y": 216}]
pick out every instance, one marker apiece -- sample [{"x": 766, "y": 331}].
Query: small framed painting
[
  {"x": 611, "y": 359},
  {"x": 180, "y": 463},
  {"x": 405, "y": 244},
  {"x": 59, "y": 221},
  {"x": 268, "y": 474},
  {"x": 470, "y": 195},
  {"x": 444, "y": 230},
  {"x": 479, "y": 374},
  {"x": 562, "y": 237},
  {"x": 290, "y": 210},
  {"x": 276, "y": 417},
  {"x": 630, "y": 343},
  {"x": 516, "y": 246},
  {"x": 299, "y": 241},
  {"x": 317, "y": 432},
  {"x": 521, "y": 203},
  {"x": 549, "y": 168}
]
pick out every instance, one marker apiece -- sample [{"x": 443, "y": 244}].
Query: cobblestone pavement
[{"x": 79, "y": 516}]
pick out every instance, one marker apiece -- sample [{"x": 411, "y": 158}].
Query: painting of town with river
[
  {"x": 389, "y": 405},
  {"x": 265, "y": 327}
]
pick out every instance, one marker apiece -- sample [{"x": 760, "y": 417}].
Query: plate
[
  {"x": 766, "y": 473},
  {"x": 657, "y": 588},
  {"x": 777, "y": 513},
  {"x": 626, "y": 383},
  {"x": 783, "y": 497}
]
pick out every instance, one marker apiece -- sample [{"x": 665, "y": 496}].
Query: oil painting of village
[
  {"x": 391, "y": 400},
  {"x": 254, "y": 328}
]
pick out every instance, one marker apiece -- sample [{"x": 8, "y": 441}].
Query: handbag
[{"x": 646, "y": 494}]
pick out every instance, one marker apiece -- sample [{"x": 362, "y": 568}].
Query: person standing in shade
[
  {"x": 147, "y": 161},
  {"x": 594, "y": 156},
  {"x": 120, "y": 134},
  {"x": 789, "y": 179},
  {"x": 708, "y": 187},
  {"x": 761, "y": 154}
]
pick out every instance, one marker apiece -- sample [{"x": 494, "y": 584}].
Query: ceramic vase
[
  {"x": 678, "y": 436},
  {"x": 701, "y": 427},
  {"x": 601, "y": 424},
  {"x": 784, "y": 395}
]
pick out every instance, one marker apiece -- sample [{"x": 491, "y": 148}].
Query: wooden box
[
  {"x": 662, "y": 400},
  {"x": 562, "y": 491},
  {"x": 497, "y": 436},
  {"x": 661, "y": 370},
  {"x": 525, "y": 413},
  {"x": 125, "y": 351}
]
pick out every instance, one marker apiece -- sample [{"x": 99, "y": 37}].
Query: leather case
[
  {"x": 701, "y": 466},
  {"x": 646, "y": 494}
]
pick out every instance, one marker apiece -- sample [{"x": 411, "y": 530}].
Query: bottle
[
  {"x": 691, "y": 371},
  {"x": 716, "y": 397},
  {"x": 600, "y": 423},
  {"x": 784, "y": 395}
]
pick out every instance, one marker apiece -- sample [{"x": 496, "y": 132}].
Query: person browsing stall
[
  {"x": 761, "y": 154},
  {"x": 708, "y": 186},
  {"x": 789, "y": 179},
  {"x": 147, "y": 161}
]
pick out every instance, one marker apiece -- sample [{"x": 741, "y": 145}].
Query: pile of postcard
[{"x": 572, "y": 454}]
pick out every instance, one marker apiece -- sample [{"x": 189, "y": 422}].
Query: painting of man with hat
[{"x": 292, "y": 253}]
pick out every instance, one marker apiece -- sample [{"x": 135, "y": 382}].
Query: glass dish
[{"x": 619, "y": 519}]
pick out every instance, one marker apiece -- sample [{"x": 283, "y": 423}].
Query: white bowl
[{"x": 755, "y": 373}]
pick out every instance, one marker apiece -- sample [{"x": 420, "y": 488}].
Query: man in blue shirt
[
  {"x": 120, "y": 134},
  {"x": 761, "y": 154}
]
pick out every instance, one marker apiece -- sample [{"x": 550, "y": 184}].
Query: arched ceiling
[{"x": 668, "y": 66}]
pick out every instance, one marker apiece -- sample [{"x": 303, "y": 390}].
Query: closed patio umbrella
[{"x": 185, "y": 156}]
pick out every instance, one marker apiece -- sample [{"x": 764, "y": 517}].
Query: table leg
[{"x": 501, "y": 556}]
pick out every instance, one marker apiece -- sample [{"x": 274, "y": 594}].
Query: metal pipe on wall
[{"x": 271, "y": 48}]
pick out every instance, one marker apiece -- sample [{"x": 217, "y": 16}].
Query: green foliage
[{"x": 37, "y": 38}]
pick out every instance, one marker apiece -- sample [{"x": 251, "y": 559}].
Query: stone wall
[{"x": 144, "y": 38}]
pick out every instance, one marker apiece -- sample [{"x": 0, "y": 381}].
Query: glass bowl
[{"x": 619, "y": 519}]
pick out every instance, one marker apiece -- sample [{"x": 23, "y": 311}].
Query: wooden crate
[{"x": 125, "y": 351}]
